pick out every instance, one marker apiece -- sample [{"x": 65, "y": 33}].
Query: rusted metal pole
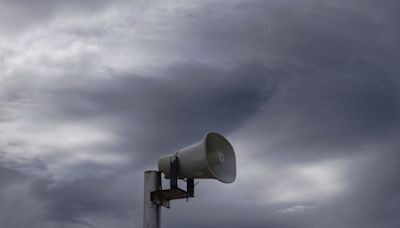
[{"x": 151, "y": 211}]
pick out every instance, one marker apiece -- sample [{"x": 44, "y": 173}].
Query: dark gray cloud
[
  {"x": 74, "y": 202},
  {"x": 143, "y": 110},
  {"x": 14, "y": 195},
  {"x": 306, "y": 91},
  {"x": 337, "y": 113}
]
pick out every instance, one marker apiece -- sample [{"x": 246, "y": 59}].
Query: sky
[{"x": 93, "y": 92}]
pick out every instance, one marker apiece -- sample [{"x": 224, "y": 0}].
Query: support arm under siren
[{"x": 162, "y": 197}]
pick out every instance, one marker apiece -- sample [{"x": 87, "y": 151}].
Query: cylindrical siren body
[{"x": 213, "y": 157}]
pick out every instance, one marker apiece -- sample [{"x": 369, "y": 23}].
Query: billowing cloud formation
[{"x": 91, "y": 93}]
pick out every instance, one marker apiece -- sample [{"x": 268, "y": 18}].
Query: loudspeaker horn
[{"x": 211, "y": 158}]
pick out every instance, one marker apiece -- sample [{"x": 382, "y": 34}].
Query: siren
[{"x": 211, "y": 158}]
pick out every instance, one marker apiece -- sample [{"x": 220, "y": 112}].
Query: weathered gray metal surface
[
  {"x": 164, "y": 197},
  {"x": 151, "y": 211}
]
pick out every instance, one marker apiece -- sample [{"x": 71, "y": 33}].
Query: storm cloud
[{"x": 93, "y": 92}]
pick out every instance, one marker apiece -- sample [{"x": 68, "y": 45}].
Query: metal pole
[{"x": 151, "y": 211}]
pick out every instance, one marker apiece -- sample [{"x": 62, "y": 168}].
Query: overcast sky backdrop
[{"x": 93, "y": 92}]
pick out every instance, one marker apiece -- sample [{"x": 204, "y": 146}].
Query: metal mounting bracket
[{"x": 163, "y": 197}]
